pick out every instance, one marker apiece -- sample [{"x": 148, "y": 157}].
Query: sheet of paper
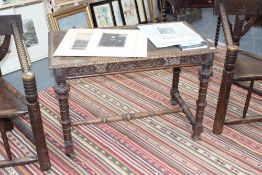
[
  {"x": 74, "y": 43},
  {"x": 103, "y": 42},
  {"x": 119, "y": 43},
  {"x": 169, "y": 34}
]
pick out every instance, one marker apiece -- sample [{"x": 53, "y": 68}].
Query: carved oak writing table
[{"x": 170, "y": 57}]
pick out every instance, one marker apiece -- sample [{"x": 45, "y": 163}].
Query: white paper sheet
[
  {"x": 103, "y": 42},
  {"x": 169, "y": 34},
  {"x": 67, "y": 47}
]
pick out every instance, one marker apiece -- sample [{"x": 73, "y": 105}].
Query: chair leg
[
  {"x": 5, "y": 139},
  {"x": 217, "y": 30},
  {"x": 250, "y": 89},
  {"x": 9, "y": 126}
]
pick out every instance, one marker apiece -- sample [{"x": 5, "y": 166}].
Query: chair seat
[
  {"x": 10, "y": 106},
  {"x": 248, "y": 67}
]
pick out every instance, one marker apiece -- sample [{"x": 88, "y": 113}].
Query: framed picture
[
  {"x": 72, "y": 17},
  {"x": 155, "y": 12},
  {"x": 55, "y": 5},
  {"x": 130, "y": 12},
  {"x": 141, "y": 11},
  {"x": 119, "y": 17},
  {"x": 148, "y": 10},
  {"x": 102, "y": 14},
  {"x": 35, "y": 27}
]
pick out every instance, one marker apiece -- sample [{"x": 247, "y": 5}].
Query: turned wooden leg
[
  {"x": 31, "y": 101},
  {"x": 163, "y": 10},
  {"x": 62, "y": 91},
  {"x": 5, "y": 139},
  {"x": 204, "y": 74},
  {"x": 225, "y": 87},
  {"x": 238, "y": 29},
  {"x": 36, "y": 120},
  {"x": 217, "y": 30},
  {"x": 174, "y": 88},
  {"x": 250, "y": 90},
  {"x": 9, "y": 126}
]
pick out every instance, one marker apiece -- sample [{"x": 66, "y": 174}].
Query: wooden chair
[
  {"x": 13, "y": 104},
  {"x": 239, "y": 66},
  {"x": 179, "y": 4}
]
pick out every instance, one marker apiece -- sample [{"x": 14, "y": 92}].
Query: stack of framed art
[
  {"x": 120, "y": 12},
  {"x": 104, "y": 13}
]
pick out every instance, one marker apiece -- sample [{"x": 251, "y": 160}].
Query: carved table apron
[{"x": 75, "y": 67}]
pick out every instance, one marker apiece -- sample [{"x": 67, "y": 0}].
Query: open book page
[
  {"x": 169, "y": 34},
  {"x": 103, "y": 42}
]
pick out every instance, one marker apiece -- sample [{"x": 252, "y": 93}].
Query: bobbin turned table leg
[
  {"x": 204, "y": 74},
  {"x": 62, "y": 92},
  {"x": 174, "y": 88}
]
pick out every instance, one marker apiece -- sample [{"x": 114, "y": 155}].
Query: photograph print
[
  {"x": 130, "y": 12},
  {"x": 29, "y": 34},
  {"x": 81, "y": 41},
  {"x": 112, "y": 40},
  {"x": 166, "y": 30}
]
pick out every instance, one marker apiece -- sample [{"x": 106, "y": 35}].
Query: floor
[{"x": 205, "y": 26}]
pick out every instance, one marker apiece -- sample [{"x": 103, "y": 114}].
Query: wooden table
[
  {"x": 241, "y": 9},
  {"x": 171, "y": 57},
  {"x": 178, "y": 4}
]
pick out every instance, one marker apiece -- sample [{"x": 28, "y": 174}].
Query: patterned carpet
[{"x": 150, "y": 146}]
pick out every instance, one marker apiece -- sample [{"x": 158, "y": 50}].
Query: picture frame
[
  {"x": 102, "y": 14},
  {"x": 73, "y": 17},
  {"x": 118, "y": 13},
  {"x": 35, "y": 35},
  {"x": 141, "y": 11},
  {"x": 55, "y": 5},
  {"x": 155, "y": 11},
  {"x": 148, "y": 10},
  {"x": 130, "y": 11}
]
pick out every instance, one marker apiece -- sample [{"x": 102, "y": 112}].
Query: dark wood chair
[
  {"x": 13, "y": 104},
  {"x": 240, "y": 66}
]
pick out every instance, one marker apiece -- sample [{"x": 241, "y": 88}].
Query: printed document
[
  {"x": 170, "y": 34},
  {"x": 103, "y": 42}
]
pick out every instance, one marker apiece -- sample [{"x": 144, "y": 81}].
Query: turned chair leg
[
  {"x": 250, "y": 89},
  {"x": 3, "y": 129}
]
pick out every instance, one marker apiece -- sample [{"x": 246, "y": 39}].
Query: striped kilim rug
[{"x": 150, "y": 146}]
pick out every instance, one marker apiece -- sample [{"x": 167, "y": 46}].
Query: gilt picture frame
[
  {"x": 155, "y": 11},
  {"x": 73, "y": 17}
]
